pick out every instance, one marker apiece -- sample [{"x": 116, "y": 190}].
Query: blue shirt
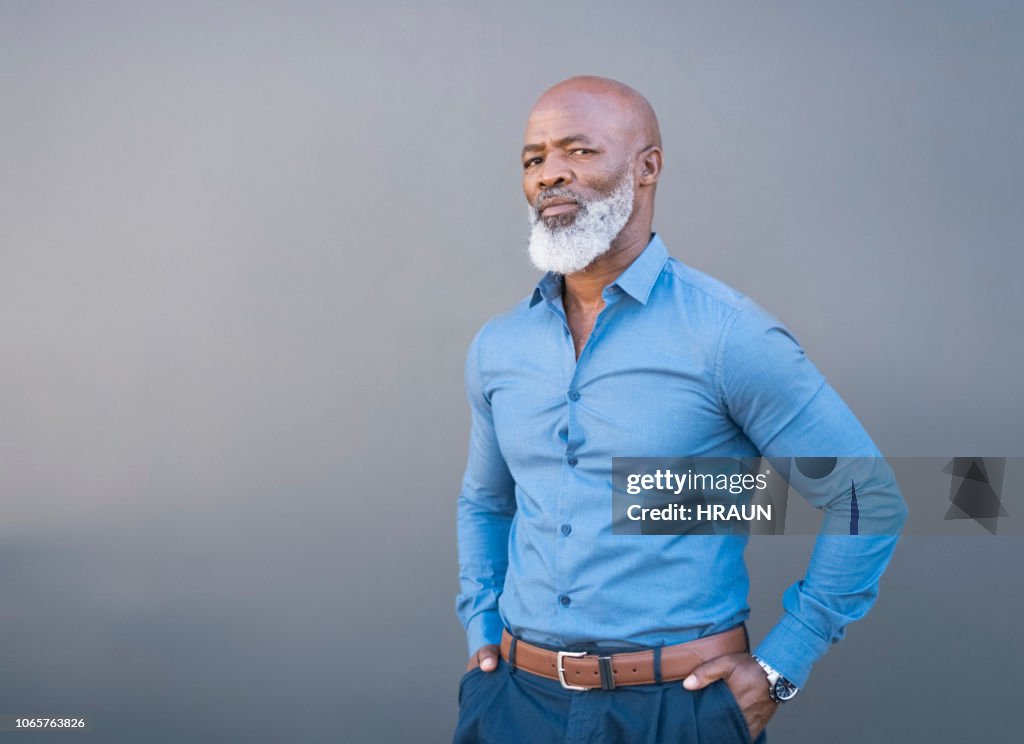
[{"x": 677, "y": 364}]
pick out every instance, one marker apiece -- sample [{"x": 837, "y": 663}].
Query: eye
[
  {"x": 581, "y": 151},
  {"x": 532, "y": 162}
]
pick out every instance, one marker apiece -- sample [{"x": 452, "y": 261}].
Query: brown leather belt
[{"x": 587, "y": 671}]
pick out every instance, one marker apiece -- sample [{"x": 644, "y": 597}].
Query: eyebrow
[{"x": 581, "y": 138}]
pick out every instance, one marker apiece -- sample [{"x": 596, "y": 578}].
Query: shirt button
[
  {"x": 573, "y": 395},
  {"x": 566, "y": 529},
  {"x": 572, "y": 462},
  {"x": 564, "y": 599}
]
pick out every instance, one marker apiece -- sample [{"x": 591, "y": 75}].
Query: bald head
[{"x": 611, "y": 100}]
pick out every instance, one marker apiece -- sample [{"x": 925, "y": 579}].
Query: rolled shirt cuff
[
  {"x": 792, "y": 648},
  {"x": 482, "y": 629}
]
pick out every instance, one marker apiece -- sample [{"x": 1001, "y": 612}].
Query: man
[{"x": 576, "y": 634}]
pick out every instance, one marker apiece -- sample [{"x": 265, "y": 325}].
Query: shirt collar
[
  {"x": 639, "y": 277},
  {"x": 548, "y": 288},
  {"x": 637, "y": 280}
]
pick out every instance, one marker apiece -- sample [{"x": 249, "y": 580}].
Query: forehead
[{"x": 596, "y": 117}]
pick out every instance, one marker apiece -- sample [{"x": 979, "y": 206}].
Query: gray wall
[{"x": 244, "y": 246}]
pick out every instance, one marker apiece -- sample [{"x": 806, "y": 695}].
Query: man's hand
[
  {"x": 486, "y": 657},
  {"x": 748, "y": 683}
]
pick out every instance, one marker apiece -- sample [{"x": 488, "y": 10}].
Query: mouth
[{"x": 555, "y": 207}]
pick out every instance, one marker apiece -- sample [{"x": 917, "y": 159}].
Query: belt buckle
[{"x": 561, "y": 669}]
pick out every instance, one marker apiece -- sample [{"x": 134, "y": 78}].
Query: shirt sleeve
[
  {"x": 769, "y": 387},
  {"x": 485, "y": 507}
]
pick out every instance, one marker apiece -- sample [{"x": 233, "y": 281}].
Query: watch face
[{"x": 785, "y": 690}]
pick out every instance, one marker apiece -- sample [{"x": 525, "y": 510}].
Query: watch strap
[{"x": 780, "y": 689}]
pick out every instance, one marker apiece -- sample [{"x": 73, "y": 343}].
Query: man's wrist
[
  {"x": 792, "y": 648},
  {"x": 780, "y": 689},
  {"x": 484, "y": 629}
]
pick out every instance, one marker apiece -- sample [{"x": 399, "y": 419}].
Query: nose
[{"x": 553, "y": 172}]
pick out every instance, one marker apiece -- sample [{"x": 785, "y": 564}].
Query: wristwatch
[{"x": 780, "y": 689}]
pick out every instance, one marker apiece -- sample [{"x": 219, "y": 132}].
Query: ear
[{"x": 648, "y": 165}]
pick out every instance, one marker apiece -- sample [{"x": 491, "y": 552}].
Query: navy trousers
[{"x": 510, "y": 706}]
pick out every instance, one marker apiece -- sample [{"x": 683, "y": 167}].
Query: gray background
[{"x": 243, "y": 247}]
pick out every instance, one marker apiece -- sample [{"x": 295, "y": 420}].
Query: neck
[{"x": 583, "y": 289}]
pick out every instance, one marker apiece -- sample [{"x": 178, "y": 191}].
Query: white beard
[{"x": 572, "y": 248}]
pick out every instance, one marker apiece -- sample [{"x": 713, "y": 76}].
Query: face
[
  {"x": 578, "y": 144},
  {"x": 578, "y": 180}
]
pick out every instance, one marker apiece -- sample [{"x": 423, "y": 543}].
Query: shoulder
[
  {"x": 688, "y": 279},
  {"x": 728, "y": 309},
  {"x": 505, "y": 327}
]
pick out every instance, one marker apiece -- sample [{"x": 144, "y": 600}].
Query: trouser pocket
[
  {"x": 465, "y": 678},
  {"x": 732, "y": 707}
]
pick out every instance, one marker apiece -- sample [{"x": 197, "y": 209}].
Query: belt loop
[
  {"x": 604, "y": 665},
  {"x": 512, "y": 654},
  {"x": 657, "y": 665}
]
